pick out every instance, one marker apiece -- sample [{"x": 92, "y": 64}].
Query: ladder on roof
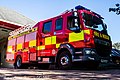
[{"x": 20, "y": 30}]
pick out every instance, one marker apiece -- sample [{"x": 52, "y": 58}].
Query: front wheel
[{"x": 64, "y": 60}]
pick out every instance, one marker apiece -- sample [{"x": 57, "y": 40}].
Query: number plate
[{"x": 46, "y": 59}]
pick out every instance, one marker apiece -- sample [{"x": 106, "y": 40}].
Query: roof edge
[{"x": 11, "y": 22}]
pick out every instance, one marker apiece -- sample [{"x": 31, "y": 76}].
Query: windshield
[{"x": 93, "y": 22}]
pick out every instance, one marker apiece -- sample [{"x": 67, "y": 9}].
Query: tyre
[
  {"x": 64, "y": 60},
  {"x": 18, "y": 63}
]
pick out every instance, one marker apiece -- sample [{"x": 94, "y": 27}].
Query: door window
[
  {"x": 59, "y": 24},
  {"x": 47, "y": 27}
]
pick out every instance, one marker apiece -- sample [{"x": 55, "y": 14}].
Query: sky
[{"x": 38, "y": 10}]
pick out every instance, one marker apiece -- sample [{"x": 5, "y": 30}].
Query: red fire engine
[{"x": 78, "y": 35}]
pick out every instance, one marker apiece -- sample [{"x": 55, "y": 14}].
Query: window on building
[{"x": 47, "y": 27}]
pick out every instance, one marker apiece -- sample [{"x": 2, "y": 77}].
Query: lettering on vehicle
[
  {"x": 102, "y": 42},
  {"x": 100, "y": 35}
]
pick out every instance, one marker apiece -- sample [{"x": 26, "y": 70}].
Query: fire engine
[{"x": 77, "y": 35}]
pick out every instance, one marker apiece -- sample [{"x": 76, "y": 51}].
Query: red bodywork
[{"x": 38, "y": 46}]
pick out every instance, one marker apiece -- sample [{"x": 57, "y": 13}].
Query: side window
[
  {"x": 70, "y": 22},
  {"x": 73, "y": 23},
  {"x": 31, "y": 36},
  {"x": 59, "y": 24},
  {"x": 11, "y": 42},
  {"x": 47, "y": 27},
  {"x": 20, "y": 40},
  {"x": 20, "y": 43}
]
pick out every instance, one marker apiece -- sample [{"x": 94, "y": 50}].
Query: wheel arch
[
  {"x": 65, "y": 47},
  {"x": 16, "y": 58}
]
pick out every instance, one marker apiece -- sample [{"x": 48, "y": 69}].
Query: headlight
[
  {"x": 93, "y": 52},
  {"x": 87, "y": 51},
  {"x": 90, "y": 52}
]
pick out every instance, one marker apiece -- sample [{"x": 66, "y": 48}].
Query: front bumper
[{"x": 88, "y": 54}]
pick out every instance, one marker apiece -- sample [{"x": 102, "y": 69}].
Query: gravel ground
[{"x": 76, "y": 74}]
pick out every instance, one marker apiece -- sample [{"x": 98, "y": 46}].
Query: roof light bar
[{"x": 79, "y": 7}]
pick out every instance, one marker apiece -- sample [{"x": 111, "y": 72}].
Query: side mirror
[
  {"x": 105, "y": 26},
  {"x": 73, "y": 23}
]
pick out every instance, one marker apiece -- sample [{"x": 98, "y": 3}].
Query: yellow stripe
[
  {"x": 53, "y": 39},
  {"x": 9, "y": 38},
  {"x": 87, "y": 31},
  {"x": 48, "y": 41},
  {"x": 32, "y": 43},
  {"x": 25, "y": 50},
  {"x": 40, "y": 47},
  {"x": 34, "y": 29},
  {"x": 76, "y": 36},
  {"x": 9, "y": 49},
  {"x": 57, "y": 45},
  {"x": 19, "y": 46}
]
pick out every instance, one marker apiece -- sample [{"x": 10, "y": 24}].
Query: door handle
[{"x": 40, "y": 43}]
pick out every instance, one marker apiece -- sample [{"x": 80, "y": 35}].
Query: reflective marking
[
  {"x": 53, "y": 39},
  {"x": 40, "y": 47},
  {"x": 9, "y": 48},
  {"x": 19, "y": 46},
  {"x": 87, "y": 31},
  {"x": 57, "y": 45},
  {"x": 25, "y": 50},
  {"x": 32, "y": 43},
  {"x": 48, "y": 41},
  {"x": 76, "y": 36}
]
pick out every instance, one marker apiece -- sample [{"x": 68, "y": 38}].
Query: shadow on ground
[{"x": 104, "y": 72}]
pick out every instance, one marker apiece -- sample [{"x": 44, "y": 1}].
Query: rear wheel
[
  {"x": 18, "y": 63},
  {"x": 64, "y": 60}
]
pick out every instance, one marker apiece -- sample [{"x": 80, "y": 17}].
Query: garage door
[{"x": 4, "y": 33}]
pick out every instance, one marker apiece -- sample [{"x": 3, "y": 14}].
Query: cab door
[
  {"x": 46, "y": 34},
  {"x": 59, "y": 31}
]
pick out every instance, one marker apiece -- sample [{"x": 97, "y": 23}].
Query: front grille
[{"x": 102, "y": 47}]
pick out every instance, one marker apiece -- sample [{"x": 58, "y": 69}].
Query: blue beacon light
[{"x": 79, "y": 7}]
